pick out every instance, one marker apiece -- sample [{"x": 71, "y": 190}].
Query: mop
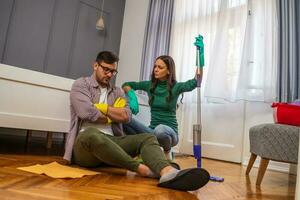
[{"x": 197, "y": 127}]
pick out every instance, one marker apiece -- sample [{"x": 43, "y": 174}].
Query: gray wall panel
[
  {"x": 114, "y": 24},
  {"x": 6, "y": 7},
  {"x": 28, "y": 34},
  {"x": 60, "y": 41},
  {"x": 58, "y": 37},
  {"x": 87, "y": 41}
]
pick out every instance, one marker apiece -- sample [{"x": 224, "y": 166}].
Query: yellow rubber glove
[
  {"x": 120, "y": 103},
  {"x": 103, "y": 107},
  {"x": 109, "y": 121}
]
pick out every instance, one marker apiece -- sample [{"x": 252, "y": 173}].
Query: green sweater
[{"x": 163, "y": 112}]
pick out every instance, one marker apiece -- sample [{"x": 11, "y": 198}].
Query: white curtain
[
  {"x": 258, "y": 71},
  {"x": 240, "y": 51},
  {"x": 240, "y": 40}
]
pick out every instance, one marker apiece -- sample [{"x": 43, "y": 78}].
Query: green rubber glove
[
  {"x": 133, "y": 102},
  {"x": 200, "y": 51}
]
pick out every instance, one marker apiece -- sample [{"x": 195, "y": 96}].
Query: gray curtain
[
  {"x": 289, "y": 50},
  {"x": 157, "y": 34}
]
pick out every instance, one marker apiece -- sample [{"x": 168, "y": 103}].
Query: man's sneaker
[{"x": 186, "y": 180}]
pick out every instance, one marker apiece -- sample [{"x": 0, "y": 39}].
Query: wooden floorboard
[{"x": 115, "y": 184}]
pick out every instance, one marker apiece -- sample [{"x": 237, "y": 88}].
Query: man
[{"x": 96, "y": 136}]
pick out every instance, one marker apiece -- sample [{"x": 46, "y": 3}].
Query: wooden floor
[{"x": 16, "y": 184}]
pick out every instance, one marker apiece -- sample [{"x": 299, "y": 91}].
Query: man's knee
[{"x": 150, "y": 138}]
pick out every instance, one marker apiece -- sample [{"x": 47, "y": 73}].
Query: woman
[{"x": 163, "y": 91}]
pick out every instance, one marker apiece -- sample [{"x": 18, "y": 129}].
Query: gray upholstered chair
[{"x": 276, "y": 142}]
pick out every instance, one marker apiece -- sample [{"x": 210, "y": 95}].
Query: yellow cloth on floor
[{"x": 56, "y": 170}]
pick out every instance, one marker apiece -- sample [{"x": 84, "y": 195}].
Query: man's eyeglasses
[{"x": 107, "y": 70}]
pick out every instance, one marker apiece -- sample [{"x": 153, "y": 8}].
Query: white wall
[{"x": 132, "y": 38}]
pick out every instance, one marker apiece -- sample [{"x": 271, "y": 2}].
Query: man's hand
[
  {"x": 120, "y": 103},
  {"x": 109, "y": 121},
  {"x": 103, "y": 107}
]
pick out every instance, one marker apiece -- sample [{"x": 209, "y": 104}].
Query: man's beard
[{"x": 104, "y": 82}]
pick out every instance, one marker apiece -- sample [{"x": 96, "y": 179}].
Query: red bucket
[{"x": 285, "y": 113}]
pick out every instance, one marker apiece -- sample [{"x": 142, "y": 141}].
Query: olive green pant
[{"x": 93, "y": 148}]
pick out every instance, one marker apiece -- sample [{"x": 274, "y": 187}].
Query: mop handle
[
  {"x": 200, "y": 65},
  {"x": 197, "y": 127}
]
